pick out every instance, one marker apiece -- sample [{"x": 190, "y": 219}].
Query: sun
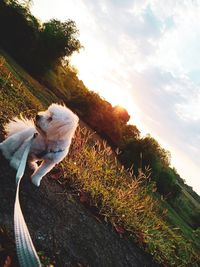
[
  {"x": 125, "y": 100},
  {"x": 118, "y": 98},
  {"x": 106, "y": 84}
]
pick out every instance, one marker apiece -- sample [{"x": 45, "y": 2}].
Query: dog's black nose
[{"x": 37, "y": 117}]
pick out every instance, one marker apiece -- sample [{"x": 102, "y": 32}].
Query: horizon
[{"x": 134, "y": 56}]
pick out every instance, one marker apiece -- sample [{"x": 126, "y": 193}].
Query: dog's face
[{"x": 58, "y": 122}]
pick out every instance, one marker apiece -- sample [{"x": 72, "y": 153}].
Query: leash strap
[{"x": 26, "y": 252}]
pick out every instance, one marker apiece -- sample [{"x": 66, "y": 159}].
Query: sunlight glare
[{"x": 110, "y": 90}]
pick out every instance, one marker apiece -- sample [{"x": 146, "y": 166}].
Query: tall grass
[{"x": 126, "y": 200}]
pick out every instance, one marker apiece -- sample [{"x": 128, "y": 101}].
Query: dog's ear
[{"x": 62, "y": 130}]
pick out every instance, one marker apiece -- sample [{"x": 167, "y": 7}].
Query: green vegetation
[
  {"x": 36, "y": 46},
  {"x": 146, "y": 200},
  {"x": 128, "y": 201},
  {"x": 41, "y": 48},
  {"x": 111, "y": 124}
]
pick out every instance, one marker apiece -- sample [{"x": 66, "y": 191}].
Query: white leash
[{"x": 26, "y": 252}]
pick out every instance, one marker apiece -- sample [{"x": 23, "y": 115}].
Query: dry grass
[{"x": 125, "y": 200}]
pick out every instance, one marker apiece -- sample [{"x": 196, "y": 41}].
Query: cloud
[
  {"x": 153, "y": 45},
  {"x": 149, "y": 50},
  {"x": 163, "y": 97}
]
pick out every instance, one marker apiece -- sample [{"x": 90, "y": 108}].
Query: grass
[
  {"x": 19, "y": 91},
  {"x": 14, "y": 96},
  {"x": 126, "y": 201}
]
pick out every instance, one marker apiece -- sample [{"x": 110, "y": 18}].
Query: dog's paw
[{"x": 35, "y": 180}]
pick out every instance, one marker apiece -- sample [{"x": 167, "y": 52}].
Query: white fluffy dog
[{"x": 55, "y": 128}]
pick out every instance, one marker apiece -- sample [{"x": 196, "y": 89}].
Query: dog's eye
[{"x": 49, "y": 119}]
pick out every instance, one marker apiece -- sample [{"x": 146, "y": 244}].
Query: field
[{"x": 129, "y": 203}]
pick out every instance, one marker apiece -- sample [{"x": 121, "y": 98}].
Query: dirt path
[{"x": 63, "y": 227}]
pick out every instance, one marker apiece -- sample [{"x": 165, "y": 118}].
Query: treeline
[
  {"x": 40, "y": 48},
  {"x": 36, "y": 46},
  {"x": 112, "y": 124},
  {"x": 136, "y": 151}
]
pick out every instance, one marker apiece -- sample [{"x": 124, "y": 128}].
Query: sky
[{"x": 145, "y": 56}]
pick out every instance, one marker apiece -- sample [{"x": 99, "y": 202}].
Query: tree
[
  {"x": 27, "y": 3},
  {"x": 19, "y": 30},
  {"x": 130, "y": 132},
  {"x": 35, "y": 46},
  {"x": 152, "y": 151},
  {"x": 57, "y": 40},
  {"x": 144, "y": 152},
  {"x": 167, "y": 184}
]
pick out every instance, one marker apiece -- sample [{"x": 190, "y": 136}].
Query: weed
[{"x": 126, "y": 200}]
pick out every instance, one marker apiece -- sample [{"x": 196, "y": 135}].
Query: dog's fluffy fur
[{"x": 55, "y": 128}]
